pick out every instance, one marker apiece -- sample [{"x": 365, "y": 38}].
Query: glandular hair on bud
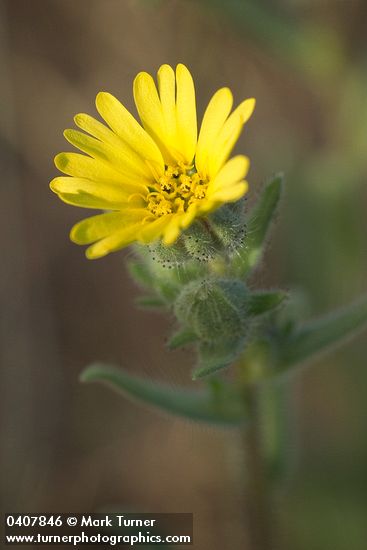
[
  {"x": 169, "y": 256},
  {"x": 214, "y": 309},
  {"x": 228, "y": 223},
  {"x": 200, "y": 242}
]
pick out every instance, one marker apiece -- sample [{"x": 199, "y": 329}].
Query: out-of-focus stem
[
  {"x": 264, "y": 441},
  {"x": 258, "y": 499}
]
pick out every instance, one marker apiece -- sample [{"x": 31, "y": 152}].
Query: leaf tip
[{"x": 89, "y": 374}]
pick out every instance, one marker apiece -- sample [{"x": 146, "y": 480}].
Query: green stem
[
  {"x": 258, "y": 505},
  {"x": 265, "y": 447}
]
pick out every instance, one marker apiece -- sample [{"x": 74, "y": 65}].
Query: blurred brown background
[{"x": 68, "y": 447}]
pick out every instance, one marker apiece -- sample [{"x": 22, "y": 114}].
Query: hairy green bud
[
  {"x": 214, "y": 309},
  {"x": 169, "y": 256},
  {"x": 200, "y": 242},
  {"x": 228, "y": 224}
]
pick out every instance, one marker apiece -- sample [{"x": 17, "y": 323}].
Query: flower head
[{"x": 154, "y": 179}]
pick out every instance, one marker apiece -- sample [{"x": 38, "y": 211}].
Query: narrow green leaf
[
  {"x": 208, "y": 369},
  {"x": 258, "y": 226},
  {"x": 322, "y": 334},
  {"x": 218, "y": 355},
  {"x": 263, "y": 302},
  {"x": 197, "y": 405},
  {"x": 182, "y": 338}
]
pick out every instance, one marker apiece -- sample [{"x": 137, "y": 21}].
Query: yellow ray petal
[
  {"x": 229, "y": 135},
  {"x": 186, "y": 113},
  {"x": 97, "y": 129},
  {"x": 167, "y": 95},
  {"x": 204, "y": 207},
  {"x": 104, "y": 134},
  {"x": 97, "y": 227},
  {"x": 90, "y": 194},
  {"x": 231, "y": 193},
  {"x": 215, "y": 115},
  {"x": 232, "y": 172},
  {"x": 179, "y": 222},
  {"x": 117, "y": 240},
  {"x": 151, "y": 113},
  {"x": 172, "y": 231},
  {"x": 189, "y": 215},
  {"x": 82, "y": 166},
  {"x": 124, "y": 124},
  {"x": 125, "y": 161},
  {"x": 154, "y": 229}
]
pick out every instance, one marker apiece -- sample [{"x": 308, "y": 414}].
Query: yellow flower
[{"x": 156, "y": 179}]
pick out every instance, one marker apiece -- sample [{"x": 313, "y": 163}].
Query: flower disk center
[{"x": 176, "y": 190}]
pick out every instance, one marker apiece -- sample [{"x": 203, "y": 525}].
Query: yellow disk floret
[{"x": 175, "y": 191}]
